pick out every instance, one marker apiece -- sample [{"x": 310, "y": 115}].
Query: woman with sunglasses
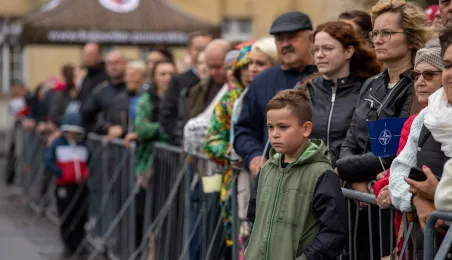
[
  {"x": 400, "y": 29},
  {"x": 344, "y": 63},
  {"x": 429, "y": 147},
  {"x": 427, "y": 79}
]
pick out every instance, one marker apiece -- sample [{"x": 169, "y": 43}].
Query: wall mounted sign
[{"x": 120, "y": 6}]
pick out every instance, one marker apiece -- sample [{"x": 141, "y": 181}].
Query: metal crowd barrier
[{"x": 173, "y": 218}]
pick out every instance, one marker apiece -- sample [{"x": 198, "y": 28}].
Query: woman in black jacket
[
  {"x": 400, "y": 29},
  {"x": 344, "y": 64},
  {"x": 387, "y": 94}
]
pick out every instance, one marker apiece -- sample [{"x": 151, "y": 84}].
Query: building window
[
  {"x": 239, "y": 29},
  {"x": 16, "y": 64}
]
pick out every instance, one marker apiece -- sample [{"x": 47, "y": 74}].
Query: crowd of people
[{"x": 291, "y": 111}]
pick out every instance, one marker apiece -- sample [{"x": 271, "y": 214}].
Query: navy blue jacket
[{"x": 251, "y": 132}]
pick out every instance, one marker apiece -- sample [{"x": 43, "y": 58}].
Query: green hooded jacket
[{"x": 285, "y": 224}]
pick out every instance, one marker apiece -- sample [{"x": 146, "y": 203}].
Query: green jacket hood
[{"x": 315, "y": 151}]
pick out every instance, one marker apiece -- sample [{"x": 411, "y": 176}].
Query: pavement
[{"x": 23, "y": 234}]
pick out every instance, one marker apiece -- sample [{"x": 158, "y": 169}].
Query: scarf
[{"x": 438, "y": 119}]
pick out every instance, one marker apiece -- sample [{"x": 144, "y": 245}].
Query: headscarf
[
  {"x": 230, "y": 58},
  {"x": 242, "y": 60}
]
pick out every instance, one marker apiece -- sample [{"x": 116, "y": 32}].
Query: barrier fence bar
[{"x": 174, "y": 217}]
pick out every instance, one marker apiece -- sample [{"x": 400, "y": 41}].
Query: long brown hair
[{"x": 363, "y": 62}]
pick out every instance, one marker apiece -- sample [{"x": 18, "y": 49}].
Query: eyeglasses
[
  {"x": 326, "y": 50},
  {"x": 427, "y": 74},
  {"x": 384, "y": 34}
]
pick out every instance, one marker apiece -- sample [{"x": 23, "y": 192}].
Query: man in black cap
[{"x": 293, "y": 35}]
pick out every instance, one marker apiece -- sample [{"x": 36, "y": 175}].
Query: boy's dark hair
[{"x": 298, "y": 101}]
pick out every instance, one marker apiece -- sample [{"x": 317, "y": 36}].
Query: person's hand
[
  {"x": 361, "y": 187},
  {"x": 52, "y": 137},
  {"x": 51, "y": 127},
  {"x": 41, "y": 127},
  {"x": 424, "y": 208},
  {"x": 130, "y": 137},
  {"x": 384, "y": 198},
  {"x": 441, "y": 227},
  {"x": 381, "y": 175},
  {"x": 425, "y": 189},
  {"x": 255, "y": 165},
  {"x": 115, "y": 131},
  {"x": 142, "y": 181},
  {"x": 28, "y": 123},
  {"x": 229, "y": 150}
]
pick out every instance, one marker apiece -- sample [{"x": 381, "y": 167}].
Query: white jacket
[{"x": 443, "y": 194}]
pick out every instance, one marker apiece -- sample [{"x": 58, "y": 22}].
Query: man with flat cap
[{"x": 293, "y": 36}]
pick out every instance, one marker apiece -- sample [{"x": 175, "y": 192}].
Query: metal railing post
[{"x": 235, "y": 216}]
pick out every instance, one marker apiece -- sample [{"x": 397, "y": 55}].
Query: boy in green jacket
[{"x": 301, "y": 212}]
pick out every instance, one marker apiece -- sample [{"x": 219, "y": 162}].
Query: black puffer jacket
[
  {"x": 94, "y": 109},
  {"x": 376, "y": 101},
  {"x": 118, "y": 112},
  {"x": 93, "y": 78},
  {"x": 332, "y": 110}
]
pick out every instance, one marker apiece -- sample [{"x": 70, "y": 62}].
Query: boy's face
[{"x": 286, "y": 134}]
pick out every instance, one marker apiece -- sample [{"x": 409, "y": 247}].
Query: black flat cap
[{"x": 291, "y": 22}]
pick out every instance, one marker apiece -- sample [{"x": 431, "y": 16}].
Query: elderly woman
[
  {"x": 263, "y": 55},
  {"x": 217, "y": 141},
  {"x": 429, "y": 146}
]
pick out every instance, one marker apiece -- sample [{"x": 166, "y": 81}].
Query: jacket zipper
[
  {"x": 333, "y": 100},
  {"x": 387, "y": 97},
  {"x": 375, "y": 99},
  {"x": 273, "y": 215},
  {"x": 78, "y": 171}
]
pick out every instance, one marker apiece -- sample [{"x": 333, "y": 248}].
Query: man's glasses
[
  {"x": 427, "y": 74},
  {"x": 384, "y": 34}
]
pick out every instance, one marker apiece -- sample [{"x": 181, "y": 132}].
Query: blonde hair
[
  {"x": 268, "y": 47},
  {"x": 138, "y": 66},
  {"x": 414, "y": 21}
]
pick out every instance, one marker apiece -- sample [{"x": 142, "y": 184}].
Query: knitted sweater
[{"x": 401, "y": 166}]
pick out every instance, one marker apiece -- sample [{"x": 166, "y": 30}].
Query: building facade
[
  {"x": 243, "y": 19},
  {"x": 240, "y": 20}
]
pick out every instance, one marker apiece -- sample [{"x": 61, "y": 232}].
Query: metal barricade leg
[
  {"x": 380, "y": 232},
  {"x": 369, "y": 217},
  {"x": 355, "y": 236},
  {"x": 391, "y": 232},
  {"x": 235, "y": 216},
  {"x": 350, "y": 244}
]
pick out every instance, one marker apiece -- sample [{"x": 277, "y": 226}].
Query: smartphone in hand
[{"x": 417, "y": 174}]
